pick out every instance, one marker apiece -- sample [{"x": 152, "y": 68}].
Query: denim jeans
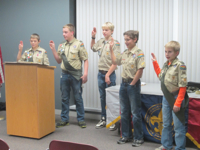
[
  {"x": 179, "y": 128},
  {"x": 67, "y": 81},
  {"x": 102, "y": 86},
  {"x": 130, "y": 103}
]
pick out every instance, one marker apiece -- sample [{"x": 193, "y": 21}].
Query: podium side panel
[
  {"x": 46, "y": 101},
  {"x": 21, "y": 100}
]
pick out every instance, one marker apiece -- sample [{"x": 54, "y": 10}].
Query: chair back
[
  {"x": 3, "y": 145},
  {"x": 64, "y": 145}
]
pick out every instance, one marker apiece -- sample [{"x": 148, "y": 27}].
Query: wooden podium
[{"x": 30, "y": 99}]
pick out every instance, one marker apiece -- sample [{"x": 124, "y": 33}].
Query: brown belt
[
  {"x": 127, "y": 80},
  {"x": 103, "y": 72}
]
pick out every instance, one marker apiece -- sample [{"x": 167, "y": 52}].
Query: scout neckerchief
[
  {"x": 76, "y": 73},
  {"x": 170, "y": 97}
]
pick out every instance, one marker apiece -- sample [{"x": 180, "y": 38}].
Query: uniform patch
[
  {"x": 107, "y": 53},
  {"x": 175, "y": 66},
  {"x": 184, "y": 79},
  {"x": 74, "y": 46},
  {"x": 140, "y": 55},
  {"x": 74, "y": 56},
  {"x": 143, "y": 64},
  {"x": 132, "y": 66},
  {"x": 183, "y": 67},
  {"x": 82, "y": 45},
  {"x": 173, "y": 77},
  {"x": 117, "y": 44},
  {"x": 45, "y": 51},
  {"x": 133, "y": 55}
]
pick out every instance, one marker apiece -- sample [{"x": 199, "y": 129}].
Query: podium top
[{"x": 29, "y": 63}]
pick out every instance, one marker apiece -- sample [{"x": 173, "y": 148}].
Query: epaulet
[
  {"x": 81, "y": 42},
  {"x": 182, "y": 63},
  {"x": 139, "y": 50},
  {"x": 125, "y": 50}
]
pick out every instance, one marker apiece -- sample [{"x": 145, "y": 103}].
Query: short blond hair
[
  {"x": 71, "y": 27},
  {"x": 174, "y": 45},
  {"x": 35, "y": 36},
  {"x": 108, "y": 25}
]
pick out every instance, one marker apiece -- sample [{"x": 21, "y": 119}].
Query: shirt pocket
[
  {"x": 39, "y": 59},
  {"x": 131, "y": 65},
  {"x": 172, "y": 78},
  {"x": 73, "y": 54}
]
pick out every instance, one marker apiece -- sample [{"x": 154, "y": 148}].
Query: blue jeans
[
  {"x": 179, "y": 128},
  {"x": 67, "y": 81},
  {"x": 130, "y": 103},
  {"x": 102, "y": 86}
]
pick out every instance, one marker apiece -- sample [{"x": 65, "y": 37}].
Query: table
[{"x": 151, "y": 96}]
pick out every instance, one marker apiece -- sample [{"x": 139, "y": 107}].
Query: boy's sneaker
[
  {"x": 162, "y": 148},
  {"x": 101, "y": 124},
  {"x": 82, "y": 124},
  {"x": 113, "y": 127},
  {"x": 61, "y": 124},
  {"x": 124, "y": 140},
  {"x": 137, "y": 143}
]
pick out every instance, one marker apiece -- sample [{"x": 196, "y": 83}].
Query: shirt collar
[
  {"x": 70, "y": 41},
  {"x": 174, "y": 62},
  {"x": 133, "y": 50}
]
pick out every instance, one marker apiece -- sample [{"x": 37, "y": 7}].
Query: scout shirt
[
  {"x": 103, "y": 48},
  {"x": 131, "y": 61},
  {"x": 75, "y": 53},
  {"x": 38, "y": 56},
  {"x": 175, "y": 76}
]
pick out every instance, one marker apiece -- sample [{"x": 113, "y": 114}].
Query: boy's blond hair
[
  {"x": 174, "y": 45},
  {"x": 35, "y": 36},
  {"x": 108, "y": 25},
  {"x": 71, "y": 27},
  {"x": 132, "y": 34}
]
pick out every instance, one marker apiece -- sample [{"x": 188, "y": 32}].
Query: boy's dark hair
[
  {"x": 132, "y": 34},
  {"x": 35, "y": 36}
]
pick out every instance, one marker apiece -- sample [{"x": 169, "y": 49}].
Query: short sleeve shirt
[
  {"x": 131, "y": 61},
  {"x": 75, "y": 53},
  {"x": 175, "y": 76},
  {"x": 103, "y": 48},
  {"x": 39, "y": 56}
]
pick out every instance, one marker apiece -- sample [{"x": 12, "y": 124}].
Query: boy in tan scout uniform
[
  {"x": 70, "y": 54},
  {"x": 173, "y": 84},
  {"x": 106, "y": 75},
  {"x": 35, "y": 54},
  {"x": 132, "y": 60}
]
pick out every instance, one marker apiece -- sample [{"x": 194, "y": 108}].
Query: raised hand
[
  {"x": 111, "y": 43},
  {"x": 21, "y": 45},
  {"x": 94, "y": 32},
  {"x": 153, "y": 57},
  {"x": 52, "y": 45}
]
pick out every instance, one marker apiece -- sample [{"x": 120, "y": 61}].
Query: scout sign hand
[
  {"x": 21, "y": 45},
  {"x": 111, "y": 43},
  {"x": 52, "y": 45},
  {"x": 94, "y": 31},
  {"x": 154, "y": 57}
]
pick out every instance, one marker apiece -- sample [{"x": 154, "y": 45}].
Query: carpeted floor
[{"x": 103, "y": 139}]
